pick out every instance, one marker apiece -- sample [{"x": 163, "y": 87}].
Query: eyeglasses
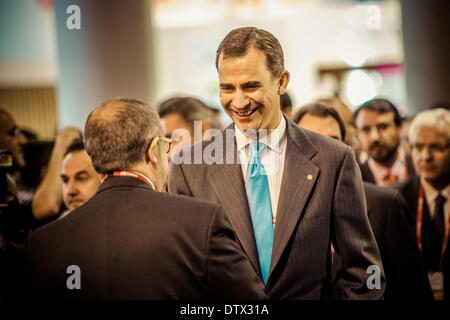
[
  {"x": 164, "y": 139},
  {"x": 169, "y": 143},
  {"x": 14, "y": 132}
]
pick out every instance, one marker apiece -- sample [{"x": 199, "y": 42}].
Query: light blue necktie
[{"x": 258, "y": 195}]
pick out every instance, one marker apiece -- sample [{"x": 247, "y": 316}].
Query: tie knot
[
  {"x": 440, "y": 199},
  {"x": 255, "y": 148}
]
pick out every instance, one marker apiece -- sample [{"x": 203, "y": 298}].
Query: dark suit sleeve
[
  {"x": 405, "y": 274},
  {"x": 354, "y": 240},
  {"x": 230, "y": 274},
  {"x": 177, "y": 183}
]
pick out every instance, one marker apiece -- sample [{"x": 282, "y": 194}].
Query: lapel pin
[{"x": 309, "y": 177}]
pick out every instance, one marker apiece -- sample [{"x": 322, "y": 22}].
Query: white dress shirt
[{"x": 272, "y": 158}]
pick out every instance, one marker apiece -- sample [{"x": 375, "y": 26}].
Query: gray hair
[
  {"x": 118, "y": 133},
  {"x": 438, "y": 119}
]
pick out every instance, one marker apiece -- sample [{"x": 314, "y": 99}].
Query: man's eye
[
  {"x": 383, "y": 126},
  {"x": 82, "y": 177}
]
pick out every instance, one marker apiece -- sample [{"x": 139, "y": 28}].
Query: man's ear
[
  {"x": 205, "y": 127},
  {"x": 284, "y": 80},
  {"x": 153, "y": 151}
]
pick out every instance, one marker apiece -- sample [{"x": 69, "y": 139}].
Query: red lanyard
[
  {"x": 419, "y": 226},
  {"x": 133, "y": 174}
]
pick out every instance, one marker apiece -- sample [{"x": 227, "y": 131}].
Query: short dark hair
[
  {"x": 381, "y": 106},
  {"x": 76, "y": 145},
  {"x": 239, "y": 41},
  {"x": 118, "y": 132},
  {"x": 285, "y": 101},
  {"x": 322, "y": 111},
  {"x": 189, "y": 108}
]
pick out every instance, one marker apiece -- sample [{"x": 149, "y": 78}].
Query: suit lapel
[
  {"x": 228, "y": 184},
  {"x": 299, "y": 176}
]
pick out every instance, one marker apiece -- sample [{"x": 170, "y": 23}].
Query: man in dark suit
[
  {"x": 130, "y": 241},
  {"x": 428, "y": 196},
  {"x": 378, "y": 125},
  {"x": 302, "y": 191},
  {"x": 405, "y": 274}
]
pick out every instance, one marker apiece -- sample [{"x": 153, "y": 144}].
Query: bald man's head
[{"x": 118, "y": 133}]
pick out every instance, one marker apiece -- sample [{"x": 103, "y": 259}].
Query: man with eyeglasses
[
  {"x": 130, "y": 240},
  {"x": 428, "y": 196}
]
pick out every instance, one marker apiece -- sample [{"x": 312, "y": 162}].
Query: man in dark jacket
[{"x": 130, "y": 241}]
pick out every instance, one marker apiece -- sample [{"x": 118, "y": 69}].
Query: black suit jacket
[
  {"x": 367, "y": 174},
  {"x": 431, "y": 243},
  {"x": 131, "y": 242},
  {"x": 405, "y": 273}
]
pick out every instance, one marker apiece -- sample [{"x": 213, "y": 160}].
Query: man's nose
[
  {"x": 240, "y": 99},
  {"x": 426, "y": 154},
  {"x": 374, "y": 134},
  {"x": 72, "y": 188}
]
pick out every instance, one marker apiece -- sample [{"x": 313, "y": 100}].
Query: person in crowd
[
  {"x": 130, "y": 240},
  {"x": 26, "y": 136},
  {"x": 179, "y": 115},
  {"x": 345, "y": 114},
  {"x": 217, "y": 123},
  {"x": 378, "y": 124},
  {"x": 288, "y": 193},
  {"x": 80, "y": 181},
  {"x": 15, "y": 215},
  {"x": 48, "y": 203},
  {"x": 404, "y": 135},
  {"x": 387, "y": 211},
  {"x": 428, "y": 196},
  {"x": 9, "y": 139},
  {"x": 286, "y": 105}
]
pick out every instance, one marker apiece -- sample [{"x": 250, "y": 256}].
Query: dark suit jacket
[
  {"x": 330, "y": 206},
  {"x": 431, "y": 243},
  {"x": 131, "y": 242},
  {"x": 405, "y": 274},
  {"x": 368, "y": 176}
]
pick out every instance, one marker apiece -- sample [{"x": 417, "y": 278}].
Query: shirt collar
[
  {"x": 271, "y": 140},
  {"x": 380, "y": 172},
  {"x": 431, "y": 193}
]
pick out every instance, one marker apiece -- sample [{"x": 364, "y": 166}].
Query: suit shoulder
[
  {"x": 382, "y": 197},
  {"x": 406, "y": 186},
  {"x": 189, "y": 204}
]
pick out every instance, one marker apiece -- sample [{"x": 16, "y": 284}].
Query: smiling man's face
[{"x": 249, "y": 93}]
